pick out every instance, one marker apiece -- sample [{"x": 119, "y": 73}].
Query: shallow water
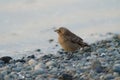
[{"x": 26, "y": 25}]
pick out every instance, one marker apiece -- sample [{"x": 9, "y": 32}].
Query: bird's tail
[{"x": 85, "y": 45}]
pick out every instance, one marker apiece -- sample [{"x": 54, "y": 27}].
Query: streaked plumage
[{"x": 69, "y": 41}]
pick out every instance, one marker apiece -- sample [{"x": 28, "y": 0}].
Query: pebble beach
[
  {"x": 30, "y": 50},
  {"x": 100, "y": 61}
]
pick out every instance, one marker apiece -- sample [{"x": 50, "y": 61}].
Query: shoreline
[{"x": 49, "y": 47}]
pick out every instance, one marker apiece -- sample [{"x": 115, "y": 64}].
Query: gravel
[{"x": 101, "y": 61}]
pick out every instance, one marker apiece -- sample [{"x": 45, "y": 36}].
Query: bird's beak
[{"x": 57, "y": 30}]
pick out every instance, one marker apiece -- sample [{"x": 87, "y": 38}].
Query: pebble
[
  {"x": 20, "y": 76},
  {"x": 65, "y": 77},
  {"x": 51, "y": 64},
  {"x": 38, "y": 72},
  {"x": 17, "y": 69},
  {"x": 100, "y": 50},
  {"x": 116, "y": 68},
  {"x": 19, "y": 64},
  {"x": 6, "y": 59},
  {"x": 1, "y": 63},
  {"x": 109, "y": 77},
  {"x": 3, "y": 73},
  {"x": 38, "y": 50},
  {"x": 102, "y": 54},
  {"x": 117, "y": 78},
  {"x": 32, "y": 56},
  {"x": 38, "y": 66},
  {"x": 96, "y": 65},
  {"x": 32, "y": 62}
]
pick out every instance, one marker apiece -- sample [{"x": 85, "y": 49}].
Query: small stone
[
  {"x": 60, "y": 52},
  {"x": 87, "y": 49},
  {"x": 38, "y": 66},
  {"x": 100, "y": 50},
  {"x": 4, "y": 72},
  {"x": 20, "y": 60},
  {"x": 39, "y": 77},
  {"x": 49, "y": 56},
  {"x": 52, "y": 79},
  {"x": 94, "y": 53},
  {"x": 1, "y": 77},
  {"x": 117, "y": 78},
  {"x": 50, "y": 63},
  {"x": 104, "y": 64},
  {"x": 27, "y": 75},
  {"x": 54, "y": 69},
  {"x": 103, "y": 54},
  {"x": 32, "y": 56},
  {"x": 51, "y": 40},
  {"x": 115, "y": 52},
  {"x": 86, "y": 54},
  {"x": 116, "y": 68},
  {"x": 21, "y": 76},
  {"x": 115, "y": 74},
  {"x": 32, "y": 62},
  {"x": 96, "y": 65},
  {"x": 65, "y": 77},
  {"x": 28, "y": 79},
  {"x": 19, "y": 64},
  {"x": 7, "y": 77},
  {"x": 28, "y": 68},
  {"x": 38, "y": 72},
  {"x": 1, "y": 63},
  {"x": 89, "y": 58},
  {"x": 109, "y": 77},
  {"x": 18, "y": 69},
  {"x": 38, "y": 50},
  {"x": 6, "y": 59},
  {"x": 12, "y": 75}
]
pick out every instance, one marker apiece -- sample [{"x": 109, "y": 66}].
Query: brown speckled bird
[{"x": 69, "y": 41}]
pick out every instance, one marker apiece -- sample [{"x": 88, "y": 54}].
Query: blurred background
[{"x": 29, "y": 24}]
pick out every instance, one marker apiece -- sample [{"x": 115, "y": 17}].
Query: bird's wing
[
  {"x": 78, "y": 40},
  {"x": 74, "y": 38}
]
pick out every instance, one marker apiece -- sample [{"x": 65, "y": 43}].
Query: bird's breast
[
  {"x": 61, "y": 40},
  {"x": 67, "y": 45}
]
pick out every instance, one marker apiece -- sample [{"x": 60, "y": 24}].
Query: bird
[{"x": 69, "y": 41}]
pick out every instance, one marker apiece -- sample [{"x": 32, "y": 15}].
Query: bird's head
[{"x": 62, "y": 31}]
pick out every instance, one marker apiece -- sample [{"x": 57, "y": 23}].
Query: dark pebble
[
  {"x": 51, "y": 40},
  {"x": 96, "y": 66},
  {"x": 6, "y": 59},
  {"x": 109, "y": 77},
  {"x": 65, "y": 77},
  {"x": 116, "y": 68},
  {"x": 32, "y": 56},
  {"x": 38, "y": 50},
  {"x": 49, "y": 56},
  {"x": 1, "y": 63},
  {"x": 20, "y": 60}
]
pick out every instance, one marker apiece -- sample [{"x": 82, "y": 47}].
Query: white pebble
[
  {"x": 38, "y": 66},
  {"x": 32, "y": 62}
]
